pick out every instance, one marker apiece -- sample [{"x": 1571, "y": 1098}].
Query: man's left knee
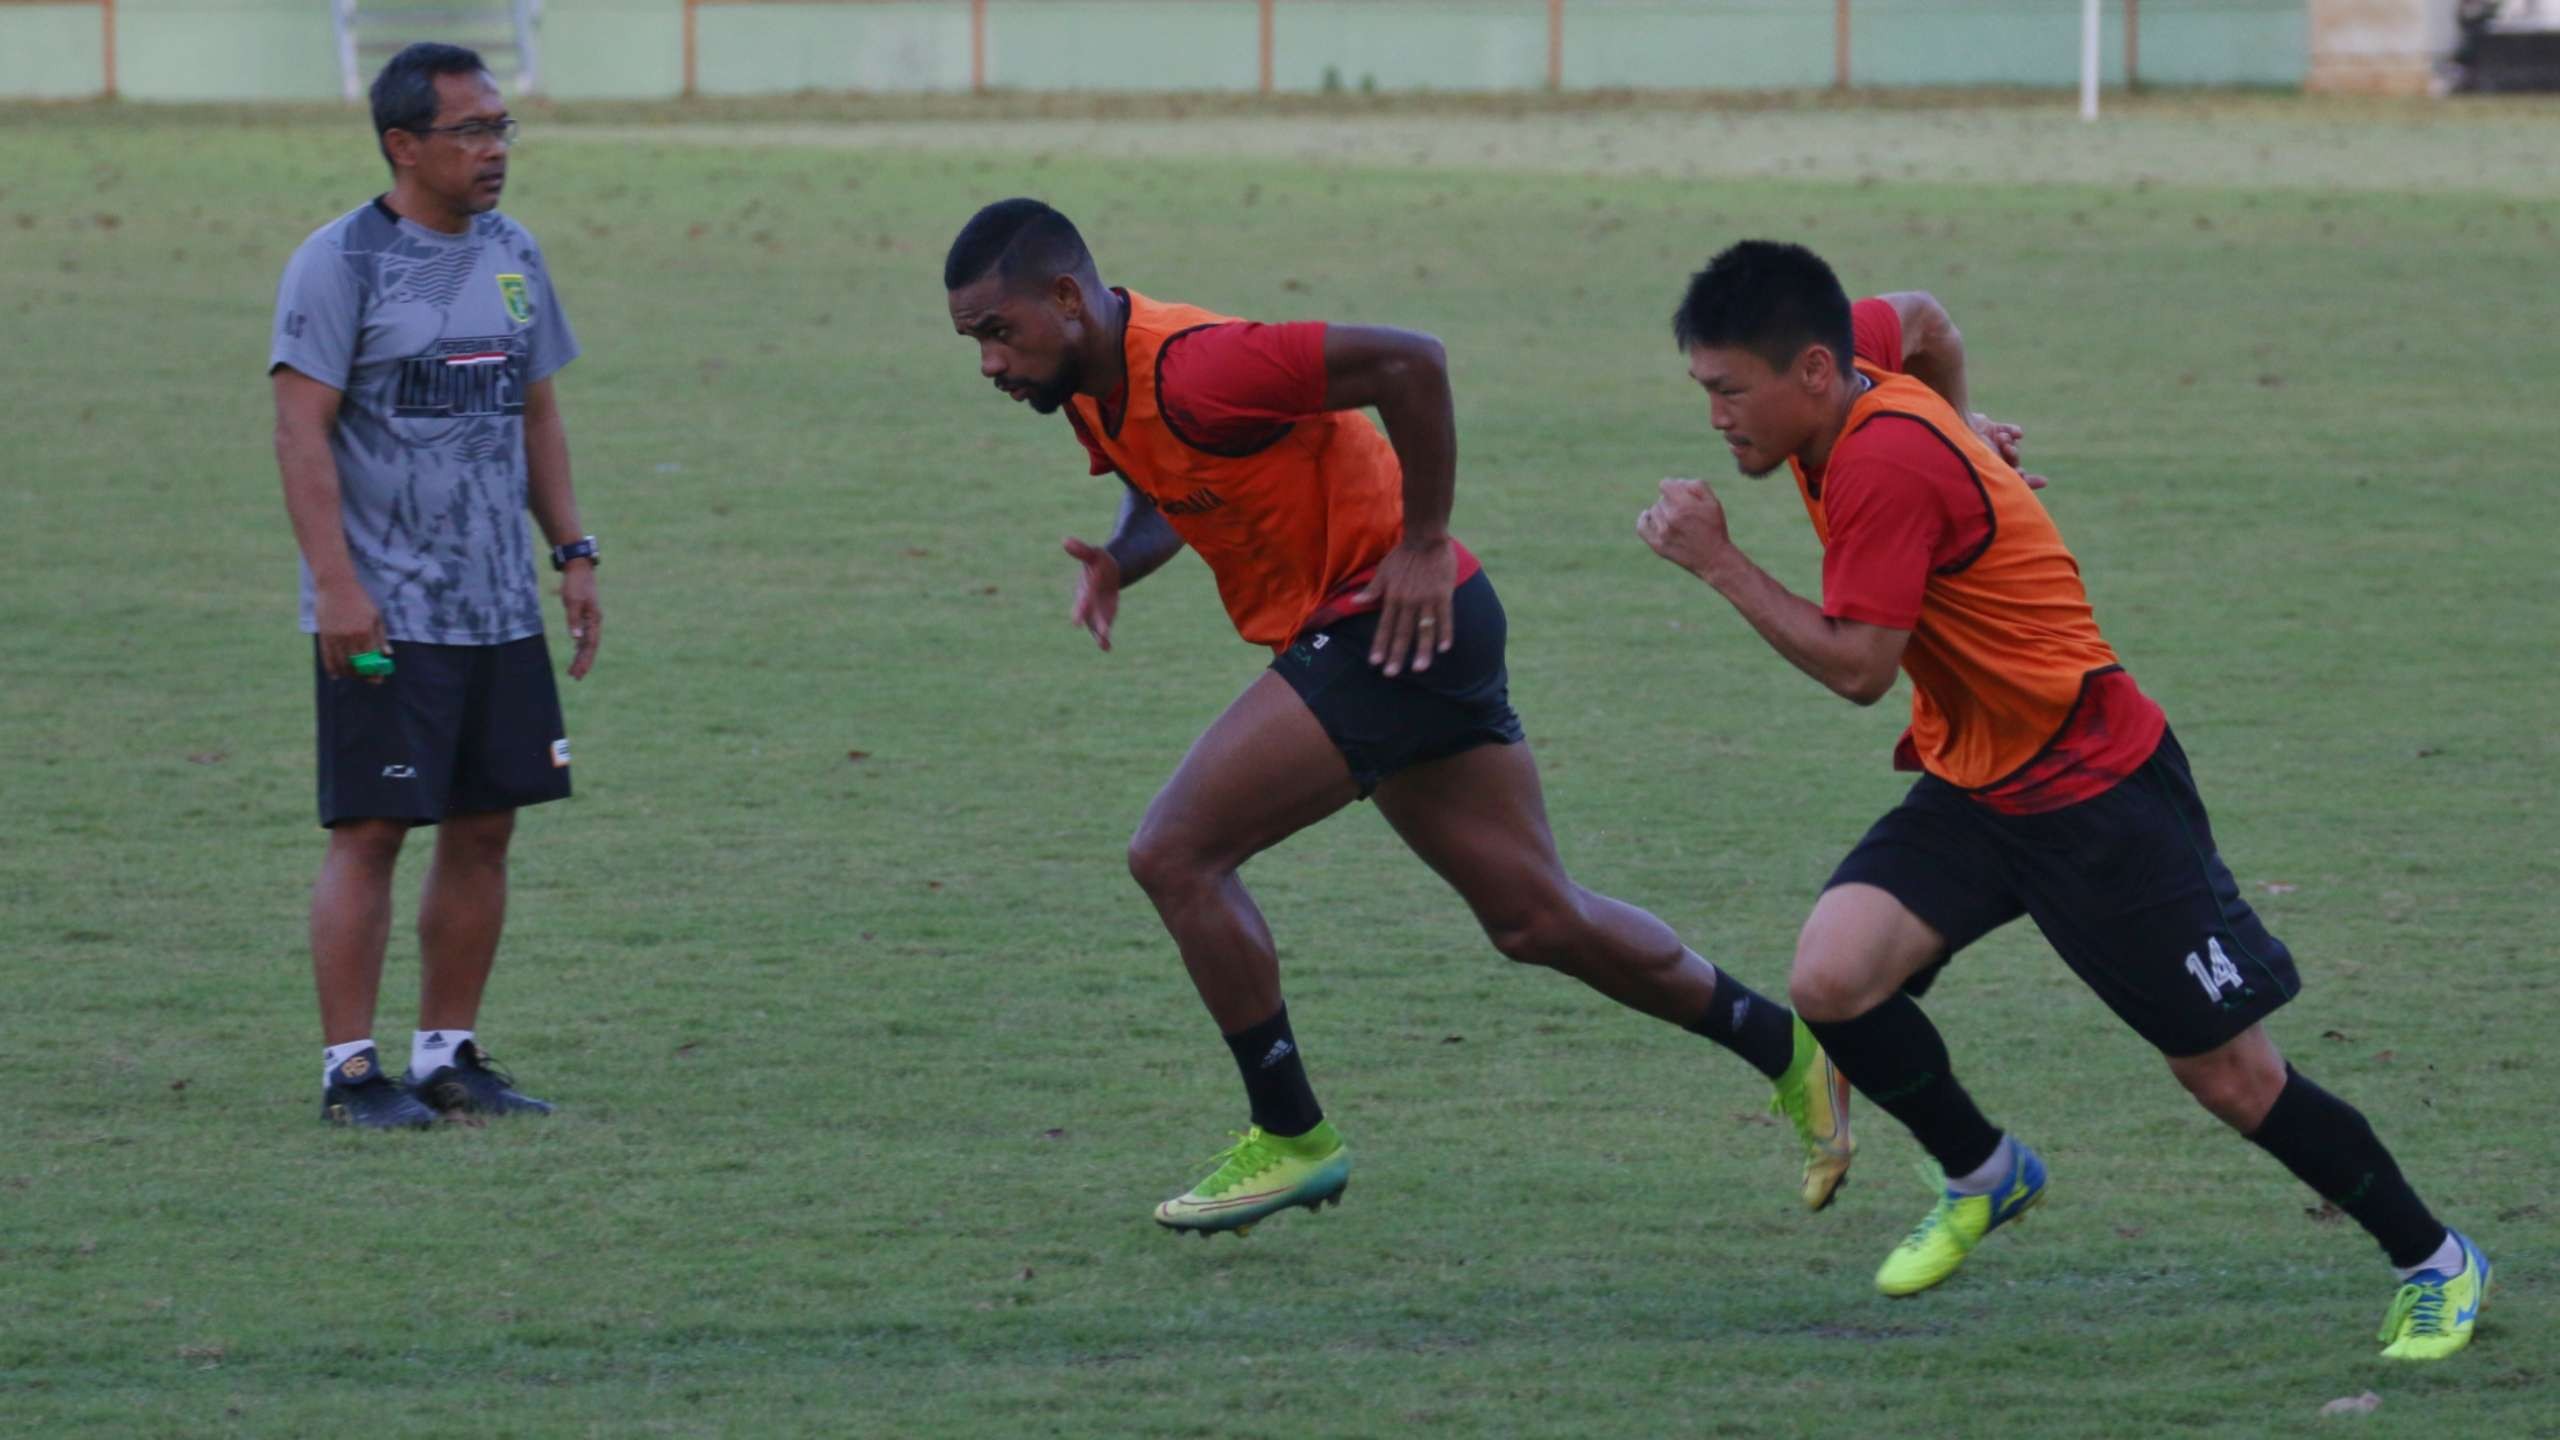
[
  {"x": 2238, "y": 1082},
  {"x": 1547, "y": 930}
]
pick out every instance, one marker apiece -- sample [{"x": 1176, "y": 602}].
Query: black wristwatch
[{"x": 582, "y": 548}]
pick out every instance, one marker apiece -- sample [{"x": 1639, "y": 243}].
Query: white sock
[
  {"x": 2447, "y": 1260},
  {"x": 1986, "y": 1177},
  {"x": 333, "y": 1056},
  {"x": 432, "y": 1050}
]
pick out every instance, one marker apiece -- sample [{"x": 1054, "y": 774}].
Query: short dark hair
[
  {"x": 404, "y": 94},
  {"x": 1769, "y": 298},
  {"x": 1022, "y": 240}
]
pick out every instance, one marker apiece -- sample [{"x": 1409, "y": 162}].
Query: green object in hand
[{"x": 370, "y": 665}]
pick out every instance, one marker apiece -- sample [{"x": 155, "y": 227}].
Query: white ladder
[{"x": 375, "y": 30}]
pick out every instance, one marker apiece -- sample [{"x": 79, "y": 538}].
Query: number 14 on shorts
[{"x": 2213, "y": 970}]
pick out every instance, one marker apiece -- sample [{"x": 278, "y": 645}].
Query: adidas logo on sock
[{"x": 1280, "y": 1050}]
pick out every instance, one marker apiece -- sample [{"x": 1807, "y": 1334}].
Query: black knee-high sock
[
  {"x": 2330, "y": 1147},
  {"x": 1275, "y": 1077},
  {"x": 1895, "y": 1058},
  {"x": 1751, "y": 1025}
]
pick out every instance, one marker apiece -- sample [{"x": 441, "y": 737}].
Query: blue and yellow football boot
[{"x": 1948, "y": 1233}]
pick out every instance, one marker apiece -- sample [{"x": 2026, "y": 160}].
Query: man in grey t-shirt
[{"x": 415, "y": 341}]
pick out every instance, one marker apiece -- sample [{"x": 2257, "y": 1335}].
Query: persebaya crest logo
[{"x": 511, "y": 288}]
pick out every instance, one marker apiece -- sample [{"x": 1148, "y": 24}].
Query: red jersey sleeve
[
  {"x": 1233, "y": 389},
  {"x": 1900, "y": 504},
  {"x": 1877, "y": 327}
]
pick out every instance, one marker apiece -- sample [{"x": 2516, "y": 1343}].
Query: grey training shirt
[{"x": 433, "y": 340}]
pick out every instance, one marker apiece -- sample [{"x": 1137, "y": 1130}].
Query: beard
[{"x": 1046, "y": 398}]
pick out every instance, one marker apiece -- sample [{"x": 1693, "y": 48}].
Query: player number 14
[{"x": 2216, "y": 974}]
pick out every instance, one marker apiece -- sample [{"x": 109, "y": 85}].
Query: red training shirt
[
  {"x": 1230, "y": 389},
  {"x": 1905, "y": 507}
]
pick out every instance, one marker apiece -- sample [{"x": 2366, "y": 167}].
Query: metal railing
[{"x": 1268, "y": 21}]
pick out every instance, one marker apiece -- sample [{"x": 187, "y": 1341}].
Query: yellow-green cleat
[
  {"x": 2433, "y": 1314},
  {"x": 1262, "y": 1174},
  {"x": 1814, "y": 1096},
  {"x": 1932, "y": 1252}
]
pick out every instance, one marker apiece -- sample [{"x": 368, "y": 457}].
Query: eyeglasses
[{"x": 477, "y": 132}]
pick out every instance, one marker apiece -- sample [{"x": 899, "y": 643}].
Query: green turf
[{"x": 872, "y": 1059}]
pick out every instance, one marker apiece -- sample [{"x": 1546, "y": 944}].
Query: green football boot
[
  {"x": 1814, "y": 1096},
  {"x": 1262, "y": 1174},
  {"x": 1948, "y": 1233},
  {"x": 2433, "y": 1314}
]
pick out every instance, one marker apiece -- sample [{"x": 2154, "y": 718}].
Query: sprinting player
[
  {"x": 2053, "y": 787},
  {"x": 1330, "y": 544}
]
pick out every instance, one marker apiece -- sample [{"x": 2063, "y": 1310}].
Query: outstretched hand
[{"x": 1097, "y": 601}]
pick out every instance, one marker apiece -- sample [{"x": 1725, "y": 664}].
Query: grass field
[{"x": 871, "y": 1057}]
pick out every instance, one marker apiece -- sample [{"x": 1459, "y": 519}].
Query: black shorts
[
  {"x": 454, "y": 730},
  {"x": 2126, "y": 885},
  {"x": 1383, "y": 725}
]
